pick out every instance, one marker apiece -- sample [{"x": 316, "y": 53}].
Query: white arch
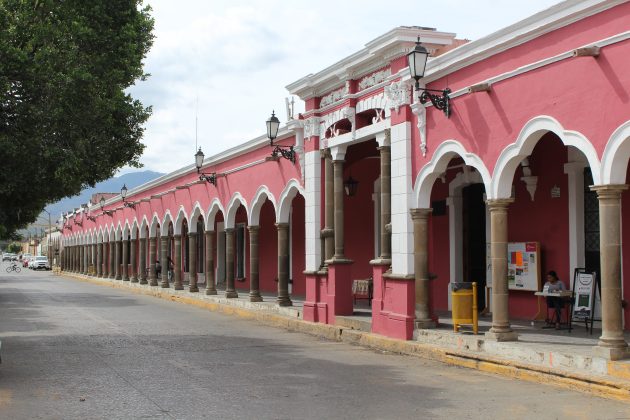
[
  {"x": 134, "y": 228},
  {"x": 214, "y": 208},
  {"x": 119, "y": 232},
  {"x": 143, "y": 227},
  {"x": 111, "y": 233},
  {"x": 236, "y": 201},
  {"x": 168, "y": 218},
  {"x": 155, "y": 221},
  {"x": 262, "y": 194},
  {"x": 126, "y": 230},
  {"x": 194, "y": 216},
  {"x": 527, "y": 139},
  {"x": 181, "y": 216},
  {"x": 616, "y": 155},
  {"x": 284, "y": 208},
  {"x": 439, "y": 161}
]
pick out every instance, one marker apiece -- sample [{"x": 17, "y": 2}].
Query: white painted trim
[
  {"x": 446, "y": 151},
  {"x": 527, "y": 139},
  {"x": 213, "y": 209},
  {"x": 181, "y": 216},
  {"x": 235, "y": 202},
  {"x": 575, "y": 174},
  {"x": 196, "y": 212},
  {"x": 168, "y": 218},
  {"x": 615, "y": 156},
  {"x": 286, "y": 198},
  {"x": 262, "y": 194}
]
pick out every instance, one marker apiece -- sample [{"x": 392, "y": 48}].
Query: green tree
[
  {"x": 66, "y": 119},
  {"x": 14, "y": 248}
]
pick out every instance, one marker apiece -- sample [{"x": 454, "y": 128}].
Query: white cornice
[
  {"x": 551, "y": 19},
  {"x": 392, "y": 44}
]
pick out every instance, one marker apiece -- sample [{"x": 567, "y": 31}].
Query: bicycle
[{"x": 13, "y": 267}]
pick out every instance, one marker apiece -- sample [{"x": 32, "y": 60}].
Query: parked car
[
  {"x": 39, "y": 262},
  {"x": 7, "y": 256}
]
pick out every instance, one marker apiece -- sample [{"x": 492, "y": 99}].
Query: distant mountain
[{"x": 112, "y": 185}]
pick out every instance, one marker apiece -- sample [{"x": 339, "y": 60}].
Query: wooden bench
[{"x": 362, "y": 289}]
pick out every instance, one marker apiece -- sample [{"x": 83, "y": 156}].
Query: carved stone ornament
[
  {"x": 420, "y": 111},
  {"x": 374, "y": 79},
  {"x": 311, "y": 127},
  {"x": 398, "y": 94},
  {"x": 333, "y": 96},
  {"x": 350, "y": 113}
]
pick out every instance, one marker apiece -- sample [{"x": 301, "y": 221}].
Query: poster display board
[
  {"x": 524, "y": 266},
  {"x": 584, "y": 289}
]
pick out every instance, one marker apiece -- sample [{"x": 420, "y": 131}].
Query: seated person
[{"x": 552, "y": 285}]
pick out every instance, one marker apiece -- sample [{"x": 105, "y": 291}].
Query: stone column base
[
  {"x": 284, "y": 301},
  {"x": 231, "y": 295},
  {"x": 178, "y": 286},
  {"x": 193, "y": 289},
  {"x": 611, "y": 353},
  {"x": 424, "y": 324},
  {"x": 211, "y": 292},
  {"x": 501, "y": 336},
  {"x": 255, "y": 298}
]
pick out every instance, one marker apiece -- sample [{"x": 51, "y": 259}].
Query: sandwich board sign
[{"x": 584, "y": 290}]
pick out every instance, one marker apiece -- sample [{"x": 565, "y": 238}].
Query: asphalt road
[{"x": 73, "y": 350}]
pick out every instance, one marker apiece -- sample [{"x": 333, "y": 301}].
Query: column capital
[
  {"x": 609, "y": 191},
  {"x": 282, "y": 226},
  {"x": 177, "y": 236},
  {"x": 418, "y": 214},
  {"x": 384, "y": 138},
  {"x": 498, "y": 203},
  {"x": 228, "y": 230},
  {"x": 253, "y": 228},
  {"x": 192, "y": 234},
  {"x": 338, "y": 153}
]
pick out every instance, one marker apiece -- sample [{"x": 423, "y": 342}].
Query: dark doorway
[
  {"x": 591, "y": 225},
  {"x": 474, "y": 239}
]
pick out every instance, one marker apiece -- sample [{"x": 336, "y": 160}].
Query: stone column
[
  {"x": 254, "y": 289},
  {"x": 133, "y": 276},
  {"x": 118, "y": 258},
  {"x": 105, "y": 259},
  {"x": 177, "y": 272},
  {"x": 81, "y": 255},
  {"x": 501, "y": 330},
  {"x": 210, "y": 287},
  {"x": 328, "y": 233},
  {"x": 125, "y": 257},
  {"x": 142, "y": 261},
  {"x": 338, "y": 190},
  {"x": 152, "y": 259},
  {"x": 230, "y": 290},
  {"x": 112, "y": 259},
  {"x": 163, "y": 262},
  {"x": 192, "y": 267},
  {"x": 612, "y": 344},
  {"x": 99, "y": 259},
  {"x": 386, "y": 202},
  {"x": 283, "y": 265},
  {"x": 420, "y": 219}
]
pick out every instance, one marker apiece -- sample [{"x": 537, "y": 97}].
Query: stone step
[{"x": 360, "y": 323}]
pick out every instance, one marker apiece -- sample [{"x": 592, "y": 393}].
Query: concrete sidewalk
[{"x": 547, "y": 356}]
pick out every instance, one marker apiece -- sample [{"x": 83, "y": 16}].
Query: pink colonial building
[{"x": 413, "y": 189}]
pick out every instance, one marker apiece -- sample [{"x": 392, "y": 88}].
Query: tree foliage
[{"x": 66, "y": 120}]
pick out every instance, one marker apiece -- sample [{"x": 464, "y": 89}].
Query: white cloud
[{"x": 236, "y": 57}]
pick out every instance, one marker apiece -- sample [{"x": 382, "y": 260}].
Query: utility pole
[{"x": 49, "y": 238}]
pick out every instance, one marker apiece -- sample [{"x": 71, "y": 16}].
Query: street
[{"x": 75, "y": 350}]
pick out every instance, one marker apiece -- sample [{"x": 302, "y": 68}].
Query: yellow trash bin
[{"x": 464, "y": 303}]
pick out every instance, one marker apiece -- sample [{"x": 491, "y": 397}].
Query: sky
[{"x": 222, "y": 66}]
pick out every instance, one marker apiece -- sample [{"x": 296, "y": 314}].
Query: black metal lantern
[
  {"x": 350, "y": 186},
  {"x": 211, "y": 177},
  {"x": 123, "y": 194},
  {"x": 287, "y": 152},
  {"x": 273, "y": 125},
  {"x": 107, "y": 212},
  {"x": 417, "y": 62}
]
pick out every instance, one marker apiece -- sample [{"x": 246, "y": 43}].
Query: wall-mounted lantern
[
  {"x": 287, "y": 152},
  {"x": 417, "y": 61},
  {"x": 211, "y": 177}
]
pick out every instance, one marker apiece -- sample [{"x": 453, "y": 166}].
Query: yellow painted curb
[{"x": 614, "y": 388}]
